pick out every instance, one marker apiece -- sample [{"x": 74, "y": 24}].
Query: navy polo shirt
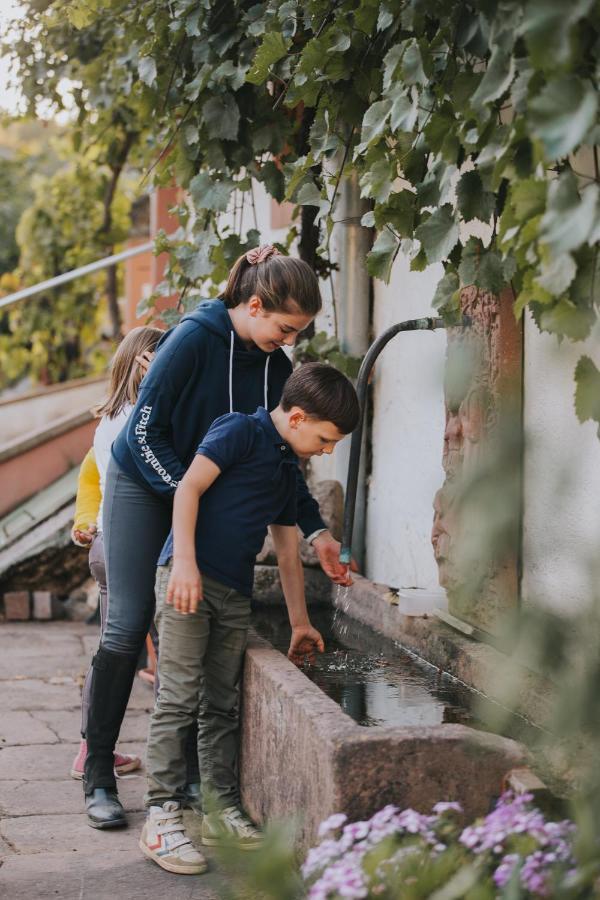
[{"x": 256, "y": 488}]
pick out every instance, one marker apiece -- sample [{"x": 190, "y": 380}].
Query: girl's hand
[
  {"x": 83, "y": 537},
  {"x": 305, "y": 641},
  {"x": 144, "y": 359},
  {"x": 184, "y": 591}
]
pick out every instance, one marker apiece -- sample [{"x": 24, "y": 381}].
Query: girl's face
[{"x": 270, "y": 330}]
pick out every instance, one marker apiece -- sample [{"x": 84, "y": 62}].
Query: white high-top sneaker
[
  {"x": 231, "y": 826},
  {"x": 165, "y": 842}
]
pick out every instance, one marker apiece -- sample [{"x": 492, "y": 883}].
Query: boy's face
[{"x": 311, "y": 437}]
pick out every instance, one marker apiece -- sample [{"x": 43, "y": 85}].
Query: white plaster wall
[
  {"x": 562, "y": 476},
  {"x": 407, "y": 434},
  {"x": 407, "y": 428}
]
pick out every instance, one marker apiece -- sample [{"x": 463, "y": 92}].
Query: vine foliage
[{"x": 472, "y": 125}]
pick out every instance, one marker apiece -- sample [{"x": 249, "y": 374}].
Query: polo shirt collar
[{"x": 264, "y": 417}]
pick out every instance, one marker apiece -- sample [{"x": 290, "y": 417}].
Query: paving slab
[
  {"x": 120, "y": 875},
  {"x": 32, "y": 640},
  {"x": 44, "y": 667},
  {"x": 47, "y": 762},
  {"x": 90, "y": 643},
  {"x": 66, "y": 724},
  {"x": 68, "y": 833},
  {"x": 28, "y": 798},
  {"x": 35, "y": 693},
  {"x": 18, "y": 727}
]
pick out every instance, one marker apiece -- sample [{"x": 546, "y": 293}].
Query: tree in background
[{"x": 55, "y": 335}]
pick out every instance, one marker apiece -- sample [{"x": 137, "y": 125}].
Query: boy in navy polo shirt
[{"x": 242, "y": 480}]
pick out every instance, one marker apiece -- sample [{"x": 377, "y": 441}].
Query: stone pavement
[{"x": 46, "y": 847}]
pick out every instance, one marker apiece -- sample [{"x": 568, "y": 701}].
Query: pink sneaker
[{"x": 124, "y": 762}]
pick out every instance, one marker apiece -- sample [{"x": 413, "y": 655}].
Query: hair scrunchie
[{"x": 259, "y": 254}]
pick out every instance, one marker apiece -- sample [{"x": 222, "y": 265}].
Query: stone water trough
[{"x": 303, "y": 757}]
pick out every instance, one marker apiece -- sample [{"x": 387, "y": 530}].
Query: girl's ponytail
[{"x": 280, "y": 281}]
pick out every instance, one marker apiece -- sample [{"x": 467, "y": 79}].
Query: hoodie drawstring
[
  {"x": 267, "y": 382},
  {"x": 266, "y": 379},
  {"x": 231, "y": 373}
]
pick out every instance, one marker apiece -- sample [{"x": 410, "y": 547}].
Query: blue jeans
[{"x": 135, "y": 527}]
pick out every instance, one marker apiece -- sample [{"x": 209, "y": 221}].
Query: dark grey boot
[{"x": 112, "y": 679}]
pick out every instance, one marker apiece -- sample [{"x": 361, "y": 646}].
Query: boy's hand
[
  {"x": 328, "y": 551},
  {"x": 184, "y": 591},
  {"x": 305, "y": 641},
  {"x": 83, "y": 537}
]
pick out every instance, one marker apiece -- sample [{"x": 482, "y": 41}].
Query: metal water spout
[{"x": 430, "y": 323}]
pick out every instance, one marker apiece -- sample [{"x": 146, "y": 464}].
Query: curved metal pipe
[{"x": 427, "y": 324}]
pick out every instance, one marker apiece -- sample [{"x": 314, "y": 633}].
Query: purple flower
[
  {"x": 442, "y": 807},
  {"x": 332, "y": 824},
  {"x": 503, "y": 873}
]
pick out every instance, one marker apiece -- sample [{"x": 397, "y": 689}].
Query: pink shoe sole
[{"x": 127, "y": 763}]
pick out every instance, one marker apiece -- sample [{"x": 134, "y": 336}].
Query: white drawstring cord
[
  {"x": 267, "y": 383},
  {"x": 231, "y": 374}
]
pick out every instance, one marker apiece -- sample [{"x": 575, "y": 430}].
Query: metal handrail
[{"x": 75, "y": 273}]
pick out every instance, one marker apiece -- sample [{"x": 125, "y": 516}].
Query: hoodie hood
[{"x": 214, "y": 317}]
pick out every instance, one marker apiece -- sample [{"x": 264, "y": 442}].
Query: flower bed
[{"x": 408, "y": 854}]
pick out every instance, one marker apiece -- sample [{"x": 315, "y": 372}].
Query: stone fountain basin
[{"x": 303, "y": 758}]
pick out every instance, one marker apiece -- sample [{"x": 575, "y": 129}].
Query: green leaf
[
  {"x": 399, "y": 213},
  {"x": 381, "y": 257},
  {"x": 587, "y": 391},
  {"x": 341, "y": 42},
  {"x": 482, "y": 267},
  {"x": 567, "y": 319},
  {"x": 497, "y": 79},
  {"x": 147, "y": 70},
  {"x": 473, "y": 201},
  {"x": 272, "y": 178},
  {"x": 528, "y": 198},
  {"x": 438, "y": 234},
  {"x": 373, "y": 123},
  {"x": 209, "y": 194},
  {"x": 377, "y": 180},
  {"x": 563, "y": 113},
  {"x": 310, "y": 195},
  {"x": 390, "y": 63},
  {"x": 446, "y": 292},
  {"x": 272, "y": 49},
  {"x": 570, "y": 217},
  {"x": 412, "y": 64},
  {"x": 404, "y": 109},
  {"x": 547, "y": 26},
  {"x": 557, "y": 274},
  {"x": 222, "y": 117}
]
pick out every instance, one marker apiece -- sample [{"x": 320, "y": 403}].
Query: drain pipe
[
  {"x": 427, "y": 324},
  {"x": 353, "y": 286}
]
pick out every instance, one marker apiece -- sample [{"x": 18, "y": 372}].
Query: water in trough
[{"x": 376, "y": 681}]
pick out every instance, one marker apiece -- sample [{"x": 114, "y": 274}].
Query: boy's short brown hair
[{"x": 324, "y": 394}]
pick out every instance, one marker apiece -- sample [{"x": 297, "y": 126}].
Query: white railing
[{"x": 75, "y": 273}]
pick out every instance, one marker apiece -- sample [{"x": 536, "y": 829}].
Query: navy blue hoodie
[{"x": 201, "y": 371}]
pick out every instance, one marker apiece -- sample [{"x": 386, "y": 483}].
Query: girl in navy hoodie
[{"x": 226, "y": 356}]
